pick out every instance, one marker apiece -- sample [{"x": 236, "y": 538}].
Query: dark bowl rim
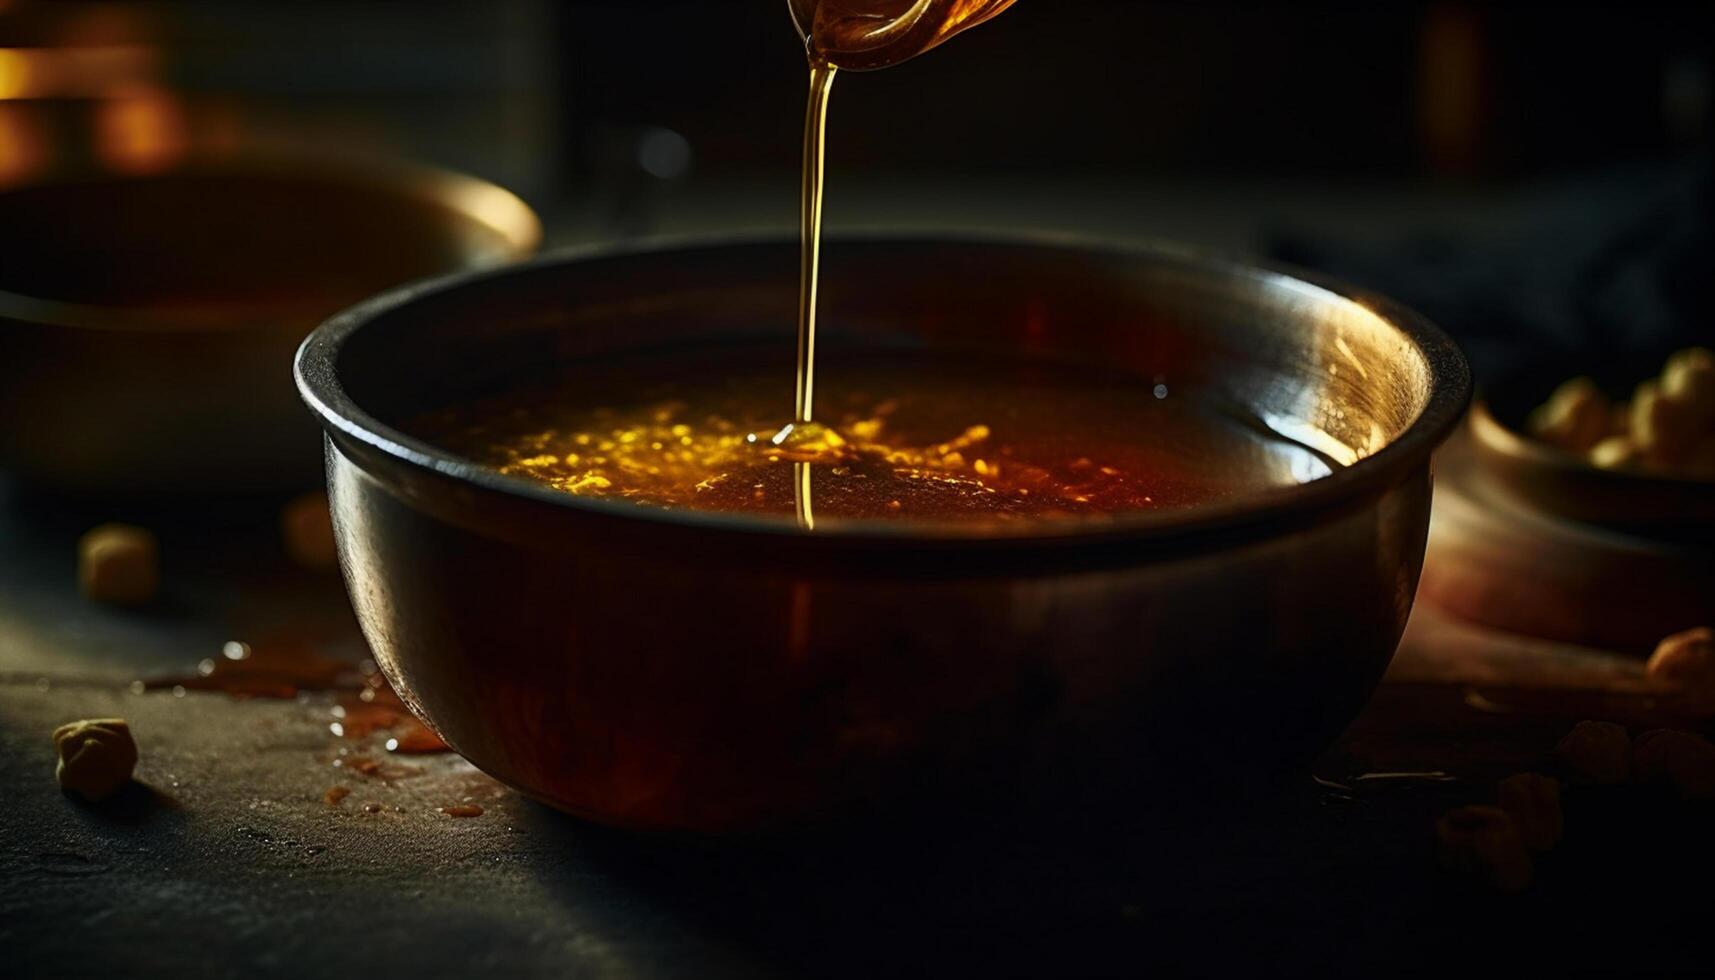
[
  {"x": 1449, "y": 393},
  {"x": 434, "y": 186}
]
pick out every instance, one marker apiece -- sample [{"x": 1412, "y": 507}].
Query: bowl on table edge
[{"x": 683, "y": 671}]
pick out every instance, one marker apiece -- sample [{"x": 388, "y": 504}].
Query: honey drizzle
[
  {"x": 815, "y": 147},
  {"x": 809, "y": 273}
]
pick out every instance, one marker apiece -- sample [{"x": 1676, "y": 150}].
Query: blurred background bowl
[
  {"x": 147, "y": 321},
  {"x": 1660, "y": 504}
]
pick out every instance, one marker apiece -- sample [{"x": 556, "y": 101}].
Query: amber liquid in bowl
[{"x": 965, "y": 438}]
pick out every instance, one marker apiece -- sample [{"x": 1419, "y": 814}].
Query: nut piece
[
  {"x": 118, "y": 563},
  {"x": 1483, "y": 843},
  {"x": 1596, "y": 752},
  {"x": 1614, "y": 453},
  {"x": 1678, "y": 759},
  {"x": 1686, "y": 661},
  {"x": 306, "y": 525},
  {"x": 1574, "y": 418},
  {"x": 97, "y": 757},
  {"x": 1533, "y": 801},
  {"x": 1689, "y": 380},
  {"x": 1661, "y": 427}
]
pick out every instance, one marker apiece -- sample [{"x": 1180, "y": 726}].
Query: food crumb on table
[
  {"x": 119, "y": 564},
  {"x": 96, "y": 757},
  {"x": 1686, "y": 662},
  {"x": 1597, "y": 752}
]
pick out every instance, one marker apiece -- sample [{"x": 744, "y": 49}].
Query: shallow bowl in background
[
  {"x": 1668, "y": 505},
  {"x": 147, "y": 322}
]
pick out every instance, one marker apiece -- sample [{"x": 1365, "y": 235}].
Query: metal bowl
[
  {"x": 699, "y": 672},
  {"x": 1675, "y": 507},
  {"x": 146, "y": 321}
]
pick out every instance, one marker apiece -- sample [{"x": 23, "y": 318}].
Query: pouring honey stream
[
  {"x": 970, "y": 436},
  {"x": 858, "y": 35}
]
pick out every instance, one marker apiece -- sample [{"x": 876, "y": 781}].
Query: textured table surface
[{"x": 227, "y": 861}]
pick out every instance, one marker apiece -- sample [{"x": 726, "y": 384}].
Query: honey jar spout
[{"x": 868, "y": 34}]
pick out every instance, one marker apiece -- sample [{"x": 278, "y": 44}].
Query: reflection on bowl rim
[
  {"x": 1448, "y": 373},
  {"x": 473, "y": 198}
]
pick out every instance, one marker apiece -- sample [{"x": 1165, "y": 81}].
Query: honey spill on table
[{"x": 284, "y": 667}]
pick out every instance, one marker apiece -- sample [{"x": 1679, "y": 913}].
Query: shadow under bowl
[
  {"x": 147, "y": 321},
  {"x": 684, "y": 671}
]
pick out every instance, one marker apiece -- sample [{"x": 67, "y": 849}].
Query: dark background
[
  {"x": 532, "y": 92},
  {"x": 1528, "y": 174}
]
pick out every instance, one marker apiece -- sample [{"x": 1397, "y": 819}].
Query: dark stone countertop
[{"x": 226, "y": 861}]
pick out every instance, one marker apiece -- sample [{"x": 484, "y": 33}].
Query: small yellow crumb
[
  {"x": 335, "y": 795},
  {"x": 120, "y": 564},
  {"x": 306, "y": 527},
  {"x": 97, "y": 757},
  {"x": 1689, "y": 380},
  {"x": 1614, "y": 453},
  {"x": 1686, "y": 662},
  {"x": 1661, "y": 427},
  {"x": 1574, "y": 418}
]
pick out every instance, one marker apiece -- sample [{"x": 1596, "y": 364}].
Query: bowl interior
[
  {"x": 1347, "y": 378},
  {"x": 248, "y": 239}
]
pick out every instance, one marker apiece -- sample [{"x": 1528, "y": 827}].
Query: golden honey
[{"x": 903, "y": 435}]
